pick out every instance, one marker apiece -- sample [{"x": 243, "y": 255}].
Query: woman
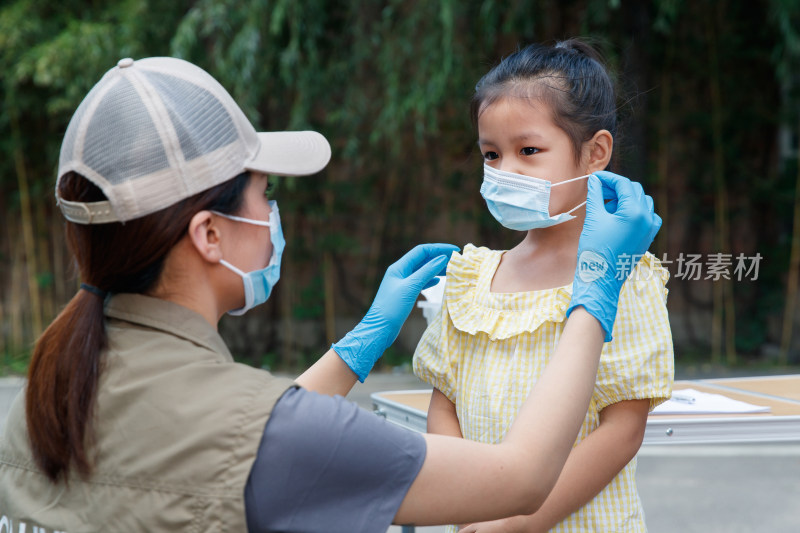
[{"x": 136, "y": 418}]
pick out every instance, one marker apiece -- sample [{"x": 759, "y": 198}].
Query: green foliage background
[{"x": 708, "y": 99}]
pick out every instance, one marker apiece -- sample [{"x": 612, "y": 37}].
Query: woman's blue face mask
[{"x": 258, "y": 284}]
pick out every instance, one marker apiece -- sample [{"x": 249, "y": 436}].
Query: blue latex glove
[
  {"x": 400, "y": 288},
  {"x": 620, "y": 230}
]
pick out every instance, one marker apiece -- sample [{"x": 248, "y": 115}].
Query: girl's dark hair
[
  {"x": 68, "y": 357},
  {"x": 569, "y": 76}
]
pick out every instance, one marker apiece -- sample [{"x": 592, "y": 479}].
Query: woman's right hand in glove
[{"x": 614, "y": 235}]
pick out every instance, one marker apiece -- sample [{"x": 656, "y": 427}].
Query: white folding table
[{"x": 781, "y": 424}]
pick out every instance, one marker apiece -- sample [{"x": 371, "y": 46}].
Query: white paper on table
[{"x": 694, "y": 402}]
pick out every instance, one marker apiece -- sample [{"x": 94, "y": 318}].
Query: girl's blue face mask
[
  {"x": 258, "y": 284},
  {"x": 521, "y": 202}
]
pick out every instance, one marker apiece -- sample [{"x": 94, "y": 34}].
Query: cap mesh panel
[
  {"x": 123, "y": 153},
  {"x": 193, "y": 109}
]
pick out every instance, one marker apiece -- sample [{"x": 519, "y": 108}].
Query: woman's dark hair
[
  {"x": 68, "y": 357},
  {"x": 569, "y": 76}
]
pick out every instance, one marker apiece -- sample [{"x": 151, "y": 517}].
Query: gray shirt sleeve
[{"x": 324, "y": 464}]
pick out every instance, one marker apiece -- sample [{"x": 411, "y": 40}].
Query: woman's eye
[
  {"x": 529, "y": 150},
  {"x": 270, "y": 189},
  {"x": 490, "y": 156}
]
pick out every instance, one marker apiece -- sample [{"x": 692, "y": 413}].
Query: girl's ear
[
  {"x": 205, "y": 236},
  {"x": 599, "y": 149}
]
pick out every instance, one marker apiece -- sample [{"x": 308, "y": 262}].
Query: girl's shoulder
[
  {"x": 650, "y": 267},
  {"x": 467, "y": 269},
  {"x": 468, "y": 263},
  {"x": 648, "y": 281}
]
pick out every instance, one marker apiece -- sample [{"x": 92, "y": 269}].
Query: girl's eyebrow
[{"x": 528, "y": 136}]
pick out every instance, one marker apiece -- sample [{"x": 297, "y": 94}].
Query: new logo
[{"x": 591, "y": 266}]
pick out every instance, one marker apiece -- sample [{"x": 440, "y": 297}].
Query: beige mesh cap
[{"x": 155, "y": 131}]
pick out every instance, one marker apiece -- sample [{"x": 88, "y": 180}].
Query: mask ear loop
[
  {"x": 567, "y": 181},
  {"x": 239, "y": 219},
  {"x": 576, "y": 207},
  {"x": 242, "y": 219},
  {"x": 233, "y": 268}
]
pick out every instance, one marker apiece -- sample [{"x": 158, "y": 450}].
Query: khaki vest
[{"x": 177, "y": 427}]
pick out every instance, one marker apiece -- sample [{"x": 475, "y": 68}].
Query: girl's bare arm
[{"x": 442, "y": 417}]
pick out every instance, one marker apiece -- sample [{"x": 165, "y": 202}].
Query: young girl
[{"x": 546, "y": 118}]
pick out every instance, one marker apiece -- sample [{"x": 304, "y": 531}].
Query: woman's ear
[
  {"x": 204, "y": 234},
  {"x": 599, "y": 149}
]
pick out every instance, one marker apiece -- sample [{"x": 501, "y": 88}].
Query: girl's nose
[{"x": 507, "y": 165}]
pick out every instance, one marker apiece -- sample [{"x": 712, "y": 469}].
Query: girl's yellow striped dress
[{"x": 485, "y": 351}]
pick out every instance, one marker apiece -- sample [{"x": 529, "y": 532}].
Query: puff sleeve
[
  {"x": 639, "y": 362},
  {"x": 437, "y": 355}
]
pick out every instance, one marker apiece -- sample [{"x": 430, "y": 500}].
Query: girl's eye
[
  {"x": 529, "y": 150},
  {"x": 490, "y": 156},
  {"x": 270, "y": 189}
]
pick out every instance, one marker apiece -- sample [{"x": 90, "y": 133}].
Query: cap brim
[{"x": 290, "y": 153}]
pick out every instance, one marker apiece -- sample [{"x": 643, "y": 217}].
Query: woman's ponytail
[{"x": 62, "y": 386}]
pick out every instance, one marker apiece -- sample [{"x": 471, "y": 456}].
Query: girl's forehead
[
  {"x": 519, "y": 103},
  {"x": 536, "y": 87},
  {"x": 512, "y": 112}
]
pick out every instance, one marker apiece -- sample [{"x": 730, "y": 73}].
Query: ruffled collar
[{"x": 474, "y": 309}]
